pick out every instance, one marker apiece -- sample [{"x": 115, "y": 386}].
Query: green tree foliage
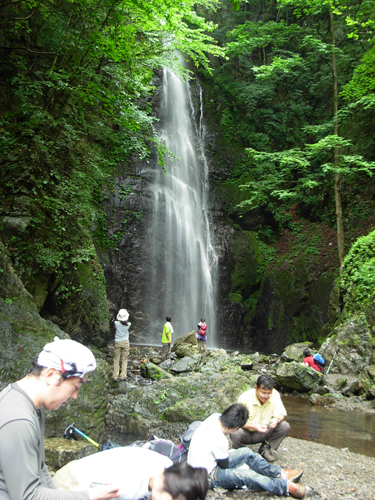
[
  {"x": 358, "y": 280},
  {"x": 75, "y": 75},
  {"x": 287, "y": 63}
]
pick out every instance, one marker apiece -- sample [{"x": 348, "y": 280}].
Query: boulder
[
  {"x": 294, "y": 352},
  {"x": 324, "y": 400},
  {"x": 149, "y": 370},
  {"x": 356, "y": 347},
  {"x": 60, "y": 451},
  {"x": 190, "y": 410},
  {"x": 185, "y": 349},
  {"x": 189, "y": 338},
  {"x": 163, "y": 407},
  {"x": 295, "y": 376},
  {"x": 354, "y": 387},
  {"x": 187, "y": 364}
]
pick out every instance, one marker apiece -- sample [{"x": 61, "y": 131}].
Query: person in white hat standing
[
  {"x": 122, "y": 326},
  {"x": 60, "y": 371}
]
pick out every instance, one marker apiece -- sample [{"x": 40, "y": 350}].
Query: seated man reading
[{"x": 209, "y": 448}]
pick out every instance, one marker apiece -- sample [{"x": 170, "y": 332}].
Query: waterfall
[{"x": 183, "y": 261}]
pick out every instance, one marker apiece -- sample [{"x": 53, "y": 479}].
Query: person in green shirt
[{"x": 166, "y": 338}]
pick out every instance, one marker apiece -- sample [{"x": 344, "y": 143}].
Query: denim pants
[{"x": 261, "y": 476}]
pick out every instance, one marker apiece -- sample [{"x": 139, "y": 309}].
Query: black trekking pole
[{"x": 332, "y": 360}]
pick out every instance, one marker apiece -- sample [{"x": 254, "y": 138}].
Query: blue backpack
[{"x": 318, "y": 358}]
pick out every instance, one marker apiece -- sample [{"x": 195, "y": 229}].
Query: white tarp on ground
[{"x": 128, "y": 467}]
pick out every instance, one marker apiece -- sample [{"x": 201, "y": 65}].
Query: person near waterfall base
[
  {"x": 209, "y": 448},
  {"x": 266, "y": 422},
  {"x": 166, "y": 338},
  {"x": 122, "y": 326},
  {"x": 60, "y": 371},
  {"x": 201, "y": 335}
]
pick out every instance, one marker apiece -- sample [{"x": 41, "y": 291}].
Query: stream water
[
  {"x": 183, "y": 277},
  {"x": 352, "y": 429}
]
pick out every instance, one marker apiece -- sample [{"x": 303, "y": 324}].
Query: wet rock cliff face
[
  {"x": 128, "y": 267},
  {"x": 255, "y": 310}
]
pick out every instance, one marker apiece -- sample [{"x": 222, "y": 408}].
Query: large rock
[
  {"x": 189, "y": 338},
  {"x": 11, "y": 284},
  {"x": 150, "y": 370},
  {"x": 187, "y": 364},
  {"x": 184, "y": 349},
  {"x": 294, "y": 352},
  {"x": 356, "y": 347},
  {"x": 60, "y": 451},
  {"x": 295, "y": 376},
  {"x": 165, "y": 407}
]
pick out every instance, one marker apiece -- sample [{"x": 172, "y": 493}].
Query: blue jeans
[{"x": 260, "y": 477}]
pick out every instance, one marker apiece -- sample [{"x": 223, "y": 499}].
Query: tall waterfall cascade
[{"x": 183, "y": 261}]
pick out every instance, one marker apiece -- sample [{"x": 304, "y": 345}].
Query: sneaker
[
  {"x": 265, "y": 451},
  {"x": 293, "y": 475},
  {"x": 296, "y": 490}
]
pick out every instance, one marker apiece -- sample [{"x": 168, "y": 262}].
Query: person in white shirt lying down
[{"x": 137, "y": 472}]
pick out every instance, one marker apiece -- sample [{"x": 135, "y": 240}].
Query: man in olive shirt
[{"x": 266, "y": 422}]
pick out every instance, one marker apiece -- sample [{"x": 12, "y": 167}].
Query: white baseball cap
[{"x": 69, "y": 357}]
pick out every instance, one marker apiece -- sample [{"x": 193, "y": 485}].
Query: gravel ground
[{"x": 329, "y": 473}]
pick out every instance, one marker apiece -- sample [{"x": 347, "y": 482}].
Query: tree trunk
[{"x": 336, "y": 153}]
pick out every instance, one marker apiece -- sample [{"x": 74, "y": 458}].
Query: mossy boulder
[
  {"x": 185, "y": 349},
  {"x": 189, "y": 338},
  {"x": 167, "y": 406},
  {"x": 187, "y": 364},
  {"x": 356, "y": 347},
  {"x": 150, "y": 370},
  {"x": 296, "y": 377},
  {"x": 188, "y": 411},
  {"x": 294, "y": 352},
  {"x": 60, "y": 451}
]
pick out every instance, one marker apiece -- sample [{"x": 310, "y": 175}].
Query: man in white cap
[{"x": 61, "y": 369}]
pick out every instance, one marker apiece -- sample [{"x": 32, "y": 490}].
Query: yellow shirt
[{"x": 262, "y": 414}]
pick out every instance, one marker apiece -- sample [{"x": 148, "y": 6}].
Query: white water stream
[{"x": 184, "y": 263}]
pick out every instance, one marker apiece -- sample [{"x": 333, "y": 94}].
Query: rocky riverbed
[
  {"x": 141, "y": 354},
  {"x": 329, "y": 473}
]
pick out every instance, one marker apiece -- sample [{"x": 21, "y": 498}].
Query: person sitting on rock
[
  {"x": 136, "y": 471},
  {"x": 209, "y": 448},
  {"x": 60, "y": 371},
  {"x": 308, "y": 360},
  {"x": 265, "y": 423}
]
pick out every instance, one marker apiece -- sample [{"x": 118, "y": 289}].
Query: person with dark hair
[
  {"x": 122, "y": 326},
  {"x": 308, "y": 360},
  {"x": 209, "y": 448},
  {"x": 265, "y": 424},
  {"x": 180, "y": 482},
  {"x": 60, "y": 371},
  {"x": 166, "y": 338},
  {"x": 201, "y": 335}
]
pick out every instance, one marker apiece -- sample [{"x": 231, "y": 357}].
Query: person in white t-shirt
[
  {"x": 209, "y": 448},
  {"x": 136, "y": 472}
]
